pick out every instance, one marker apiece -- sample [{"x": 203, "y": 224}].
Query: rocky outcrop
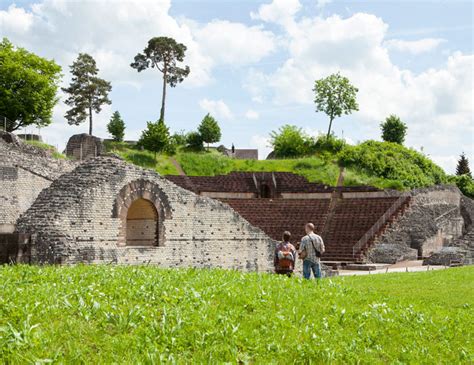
[
  {"x": 386, "y": 253},
  {"x": 446, "y": 256}
]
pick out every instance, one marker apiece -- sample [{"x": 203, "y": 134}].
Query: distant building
[{"x": 239, "y": 153}]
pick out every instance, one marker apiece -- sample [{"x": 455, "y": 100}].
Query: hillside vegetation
[
  {"x": 380, "y": 164},
  {"x": 113, "y": 314},
  {"x": 50, "y": 149}
]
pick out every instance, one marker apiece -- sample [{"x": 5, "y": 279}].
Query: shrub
[
  {"x": 116, "y": 127},
  {"x": 290, "y": 141},
  {"x": 155, "y": 137},
  {"x": 332, "y": 144},
  {"x": 465, "y": 183},
  {"x": 392, "y": 161},
  {"x": 209, "y": 130},
  {"x": 393, "y": 130},
  {"x": 179, "y": 138},
  {"x": 194, "y": 141}
]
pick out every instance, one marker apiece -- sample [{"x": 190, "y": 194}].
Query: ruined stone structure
[
  {"x": 83, "y": 146},
  {"x": 108, "y": 211},
  {"x": 104, "y": 210},
  {"x": 25, "y": 171},
  {"x": 357, "y": 223}
]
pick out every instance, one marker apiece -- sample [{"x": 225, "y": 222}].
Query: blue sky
[{"x": 253, "y": 64}]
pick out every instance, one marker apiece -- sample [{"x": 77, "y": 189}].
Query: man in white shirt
[{"x": 311, "y": 249}]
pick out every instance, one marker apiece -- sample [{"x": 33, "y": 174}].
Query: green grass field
[{"x": 113, "y": 314}]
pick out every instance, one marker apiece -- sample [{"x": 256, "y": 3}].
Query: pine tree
[
  {"x": 87, "y": 92},
  {"x": 155, "y": 137},
  {"x": 163, "y": 53},
  {"x": 209, "y": 130},
  {"x": 116, "y": 127},
  {"x": 463, "y": 166}
]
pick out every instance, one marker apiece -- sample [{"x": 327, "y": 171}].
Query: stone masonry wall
[
  {"x": 79, "y": 218},
  {"x": 18, "y": 190},
  {"x": 433, "y": 221},
  {"x": 24, "y": 172}
]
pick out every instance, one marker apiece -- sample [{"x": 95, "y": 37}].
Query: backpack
[{"x": 285, "y": 258}]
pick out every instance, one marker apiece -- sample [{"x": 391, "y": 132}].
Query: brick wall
[
  {"x": 24, "y": 172},
  {"x": 18, "y": 190},
  {"x": 80, "y": 218}
]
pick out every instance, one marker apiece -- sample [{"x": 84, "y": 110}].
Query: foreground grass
[{"x": 105, "y": 314}]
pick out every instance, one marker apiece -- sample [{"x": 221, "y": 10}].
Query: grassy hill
[
  {"x": 380, "y": 164},
  {"x": 117, "y": 314}
]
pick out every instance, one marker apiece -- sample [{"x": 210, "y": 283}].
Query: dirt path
[{"x": 178, "y": 166}]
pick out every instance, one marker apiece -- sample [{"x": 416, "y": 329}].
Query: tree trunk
[
  {"x": 329, "y": 130},
  {"x": 90, "y": 119},
  {"x": 163, "y": 97}
]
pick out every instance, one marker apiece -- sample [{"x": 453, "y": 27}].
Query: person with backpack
[
  {"x": 285, "y": 256},
  {"x": 311, "y": 249}
]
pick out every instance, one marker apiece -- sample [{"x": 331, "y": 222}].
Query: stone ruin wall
[
  {"x": 24, "y": 172},
  {"x": 85, "y": 223},
  {"x": 433, "y": 221}
]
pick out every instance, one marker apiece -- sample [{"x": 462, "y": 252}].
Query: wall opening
[
  {"x": 142, "y": 224},
  {"x": 265, "y": 191}
]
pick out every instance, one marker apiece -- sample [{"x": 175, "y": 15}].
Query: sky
[{"x": 254, "y": 63}]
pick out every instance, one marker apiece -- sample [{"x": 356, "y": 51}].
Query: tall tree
[
  {"x": 163, "y": 53},
  {"x": 155, "y": 137},
  {"x": 87, "y": 92},
  {"x": 28, "y": 87},
  {"x": 116, "y": 127},
  {"x": 393, "y": 129},
  {"x": 209, "y": 130},
  {"x": 463, "y": 166},
  {"x": 334, "y": 95}
]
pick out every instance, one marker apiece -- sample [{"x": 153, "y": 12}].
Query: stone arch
[
  {"x": 151, "y": 198},
  {"x": 142, "y": 224}
]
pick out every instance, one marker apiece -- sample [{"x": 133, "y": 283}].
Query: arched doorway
[{"x": 142, "y": 224}]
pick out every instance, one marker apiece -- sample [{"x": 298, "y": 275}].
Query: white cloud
[
  {"x": 113, "y": 32},
  {"x": 234, "y": 43},
  {"x": 414, "y": 47},
  {"x": 217, "y": 108},
  {"x": 252, "y": 114},
  {"x": 15, "y": 20},
  {"x": 435, "y": 103},
  {"x": 278, "y": 11},
  {"x": 263, "y": 145},
  {"x": 322, "y": 3}
]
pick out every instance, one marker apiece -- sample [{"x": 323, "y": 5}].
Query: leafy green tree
[
  {"x": 155, "y": 137},
  {"x": 28, "y": 87},
  {"x": 87, "y": 92},
  {"x": 393, "y": 130},
  {"x": 179, "y": 138},
  {"x": 163, "y": 53},
  {"x": 194, "y": 141},
  {"x": 209, "y": 130},
  {"x": 116, "y": 127},
  {"x": 290, "y": 141},
  {"x": 334, "y": 95},
  {"x": 463, "y": 166}
]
